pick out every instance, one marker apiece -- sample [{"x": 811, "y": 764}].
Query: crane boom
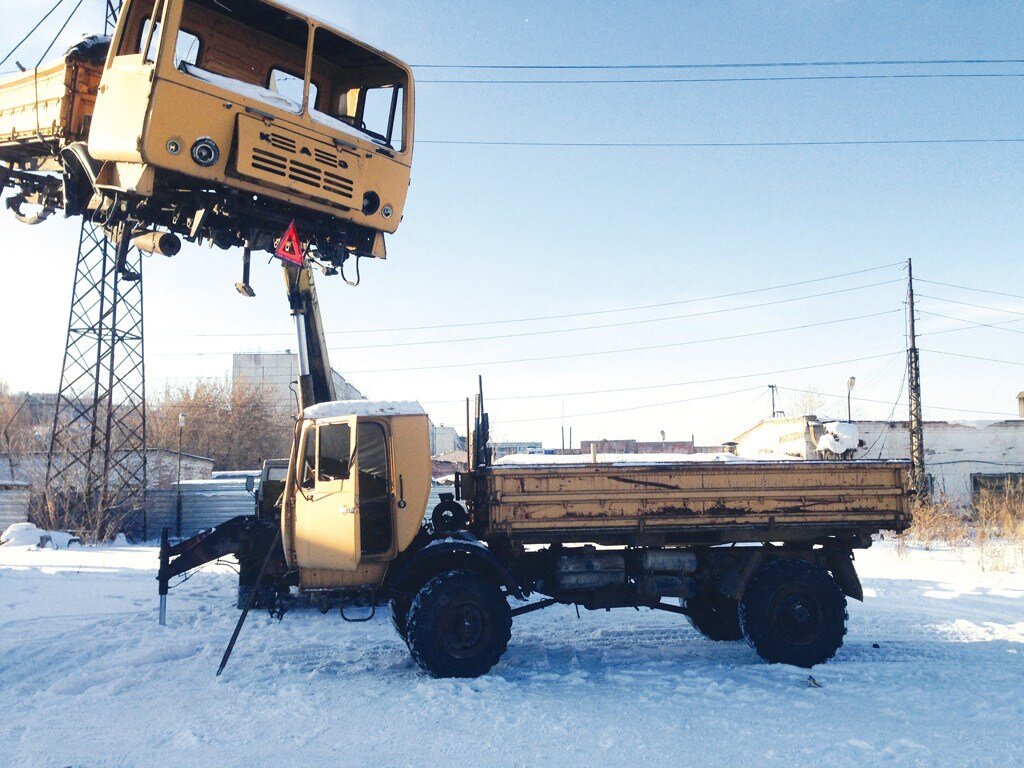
[{"x": 316, "y": 381}]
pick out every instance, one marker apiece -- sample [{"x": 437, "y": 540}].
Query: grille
[{"x": 302, "y": 164}]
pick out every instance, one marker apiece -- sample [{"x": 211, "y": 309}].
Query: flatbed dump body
[
  {"x": 49, "y": 106},
  {"x": 687, "y": 502}
]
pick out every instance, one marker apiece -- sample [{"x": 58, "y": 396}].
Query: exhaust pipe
[{"x": 163, "y": 243}]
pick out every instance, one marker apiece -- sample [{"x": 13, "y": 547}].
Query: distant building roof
[{"x": 457, "y": 457}]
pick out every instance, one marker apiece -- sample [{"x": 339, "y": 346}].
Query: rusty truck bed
[
  {"x": 43, "y": 109},
  {"x": 688, "y": 502}
]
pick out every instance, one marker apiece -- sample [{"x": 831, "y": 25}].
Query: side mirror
[{"x": 250, "y": 483}]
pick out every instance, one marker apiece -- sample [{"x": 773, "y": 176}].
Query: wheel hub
[
  {"x": 463, "y": 628},
  {"x": 796, "y": 617}
]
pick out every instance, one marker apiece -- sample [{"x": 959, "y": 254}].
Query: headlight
[
  {"x": 371, "y": 202},
  {"x": 205, "y": 152}
]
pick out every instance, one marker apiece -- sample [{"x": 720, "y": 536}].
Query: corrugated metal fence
[
  {"x": 13, "y": 503},
  {"x": 204, "y": 504}
]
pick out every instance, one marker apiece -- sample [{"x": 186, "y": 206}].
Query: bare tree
[
  {"x": 807, "y": 401},
  {"x": 236, "y": 426}
]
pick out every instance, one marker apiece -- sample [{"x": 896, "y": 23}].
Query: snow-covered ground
[{"x": 932, "y": 674}]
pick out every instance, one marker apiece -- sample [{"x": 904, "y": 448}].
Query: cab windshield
[{"x": 259, "y": 51}]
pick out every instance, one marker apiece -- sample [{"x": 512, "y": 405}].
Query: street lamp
[
  {"x": 177, "y": 503},
  {"x": 849, "y": 388}
]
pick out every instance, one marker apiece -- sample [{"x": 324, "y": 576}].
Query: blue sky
[{"x": 500, "y": 233}]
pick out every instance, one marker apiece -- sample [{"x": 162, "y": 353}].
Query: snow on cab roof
[{"x": 364, "y": 408}]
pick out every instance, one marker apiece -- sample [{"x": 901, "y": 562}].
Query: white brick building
[{"x": 960, "y": 456}]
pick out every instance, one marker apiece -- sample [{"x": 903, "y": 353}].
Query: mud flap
[{"x": 840, "y": 562}]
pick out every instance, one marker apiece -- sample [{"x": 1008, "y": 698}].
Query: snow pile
[
  {"x": 248, "y": 90},
  {"x": 27, "y": 535},
  {"x": 839, "y": 437},
  {"x": 342, "y": 127}
]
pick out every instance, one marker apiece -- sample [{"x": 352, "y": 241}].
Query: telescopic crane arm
[{"x": 316, "y": 382}]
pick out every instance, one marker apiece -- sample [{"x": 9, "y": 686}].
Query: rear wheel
[
  {"x": 715, "y": 616},
  {"x": 458, "y": 625},
  {"x": 793, "y": 612}
]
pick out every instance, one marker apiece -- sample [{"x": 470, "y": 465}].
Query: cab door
[{"x": 326, "y": 508}]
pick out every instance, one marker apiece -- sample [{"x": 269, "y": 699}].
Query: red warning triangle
[{"x": 289, "y": 248}]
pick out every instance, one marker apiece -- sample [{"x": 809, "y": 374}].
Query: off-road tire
[
  {"x": 399, "y": 613},
  {"x": 793, "y": 612},
  {"x": 458, "y": 625},
  {"x": 715, "y": 616}
]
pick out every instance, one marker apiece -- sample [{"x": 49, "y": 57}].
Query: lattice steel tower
[{"x": 98, "y": 446}]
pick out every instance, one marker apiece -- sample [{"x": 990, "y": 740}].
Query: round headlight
[
  {"x": 371, "y": 202},
  {"x": 205, "y": 152}
]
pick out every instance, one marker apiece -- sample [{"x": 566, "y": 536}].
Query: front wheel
[
  {"x": 458, "y": 625},
  {"x": 793, "y": 612}
]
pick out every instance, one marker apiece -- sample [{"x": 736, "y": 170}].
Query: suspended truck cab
[{"x": 219, "y": 120}]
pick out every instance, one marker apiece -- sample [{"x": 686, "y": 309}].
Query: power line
[
  {"x": 718, "y": 144},
  {"x": 31, "y": 31},
  {"x": 623, "y": 324},
  {"x": 892, "y": 411},
  {"x": 708, "y": 80},
  {"x": 728, "y": 65},
  {"x": 628, "y": 349},
  {"x": 886, "y": 402},
  {"x": 995, "y": 326},
  {"x": 716, "y": 380},
  {"x": 968, "y": 288},
  {"x": 591, "y": 313},
  {"x": 970, "y": 327},
  {"x": 976, "y": 306},
  {"x": 60, "y": 31},
  {"x": 618, "y": 390},
  {"x": 972, "y": 357},
  {"x": 630, "y": 408}
]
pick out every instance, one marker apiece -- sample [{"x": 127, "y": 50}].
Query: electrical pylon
[{"x": 97, "y": 454}]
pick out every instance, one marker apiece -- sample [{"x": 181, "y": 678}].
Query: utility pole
[
  {"x": 917, "y": 470},
  {"x": 774, "y": 389}
]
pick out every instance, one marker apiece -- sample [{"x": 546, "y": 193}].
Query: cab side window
[
  {"x": 309, "y": 459},
  {"x": 335, "y": 452}
]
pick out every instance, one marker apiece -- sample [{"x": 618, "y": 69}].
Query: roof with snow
[{"x": 339, "y": 408}]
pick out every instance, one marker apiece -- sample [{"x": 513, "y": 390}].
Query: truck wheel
[
  {"x": 458, "y": 625},
  {"x": 715, "y": 616},
  {"x": 399, "y": 613},
  {"x": 793, "y": 612}
]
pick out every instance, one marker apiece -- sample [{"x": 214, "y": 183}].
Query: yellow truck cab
[
  {"x": 356, "y": 491},
  {"x": 221, "y": 120}
]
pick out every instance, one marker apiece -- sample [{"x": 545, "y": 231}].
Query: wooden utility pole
[{"x": 917, "y": 469}]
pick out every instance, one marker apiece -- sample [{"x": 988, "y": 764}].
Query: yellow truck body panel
[
  {"x": 686, "y": 502},
  {"x": 45, "y": 108}
]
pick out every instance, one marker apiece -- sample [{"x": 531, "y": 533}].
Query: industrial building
[
  {"x": 961, "y": 457},
  {"x": 276, "y": 373}
]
